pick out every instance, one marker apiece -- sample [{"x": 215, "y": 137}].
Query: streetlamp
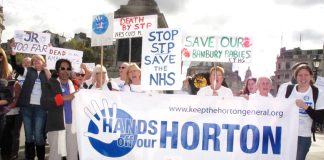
[{"x": 316, "y": 63}]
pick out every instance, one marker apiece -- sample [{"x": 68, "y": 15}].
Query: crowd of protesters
[{"x": 43, "y": 101}]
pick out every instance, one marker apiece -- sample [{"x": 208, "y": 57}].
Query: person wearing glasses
[
  {"x": 82, "y": 76},
  {"x": 120, "y": 81},
  {"x": 57, "y": 101},
  {"x": 34, "y": 115}
]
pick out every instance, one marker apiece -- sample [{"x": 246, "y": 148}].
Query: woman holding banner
[
  {"x": 216, "y": 77},
  {"x": 133, "y": 79},
  {"x": 34, "y": 115},
  {"x": 310, "y": 101},
  {"x": 57, "y": 101},
  {"x": 100, "y": 80}
]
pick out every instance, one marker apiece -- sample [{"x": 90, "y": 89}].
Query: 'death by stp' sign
[
  {"x": 128, "y": 27},
  {"x": 217, "y": 49},
  {"x": 127, "y": 126},
  {"x": 161, "y": 59},
  {"x": 31, "y": 42}
]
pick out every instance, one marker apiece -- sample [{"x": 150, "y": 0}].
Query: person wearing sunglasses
[
  {"x": 120, "y": 81},
  {"x": 33, "y": 113},
  {"x": 57, "y": 101},
  {"x": 82, "y": 76}
]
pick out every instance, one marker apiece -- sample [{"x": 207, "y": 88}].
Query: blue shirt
[{"x": 67, "y": 104}]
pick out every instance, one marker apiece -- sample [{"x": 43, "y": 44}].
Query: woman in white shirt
[
  {"x": 216, "y": 78},
  {"x": 302, "y": 93},
  {"x": 133, "y": 79},
  {"x": 100, "y": 80}
]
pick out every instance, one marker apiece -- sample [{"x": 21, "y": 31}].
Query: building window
[
  {"x": 286, "y": 76},
  {"x": 278, "y": 77},
  {"x": 279, "y": 66},
  {"x": 287, "y": 65}
]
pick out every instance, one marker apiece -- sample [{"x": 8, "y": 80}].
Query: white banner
[
  {"x": 55, "y": 54},
  {"x": 31, "y": 42},
  {"x": 128, "y": 27},
  {"x": 217, "y": 49},
  {"x": 161, "y": 59},
  {"x": 136, "y": 126},
  {"x": 102, "y": 30}
]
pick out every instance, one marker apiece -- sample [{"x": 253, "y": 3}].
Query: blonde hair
[
  {"x": 217, "y": 68},
  {"x": 98, "y": 69},
  {"x": 37, "y": 57},
  {"x": 6, "y": 68},
  {"x": 131, "y": 65}
]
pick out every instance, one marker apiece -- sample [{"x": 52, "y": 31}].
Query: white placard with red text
[
  {"x": 129, "y": 27},
  {"x": 54, "y": 54}
]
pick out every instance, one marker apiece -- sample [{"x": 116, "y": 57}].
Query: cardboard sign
[
  {"x": 161, "y": 59},
  {"x": 102, "y": 30},
  {"x": 217, "y": 49},
  {"x": 31, "y": 42},
  {"x": 129, "y": 27},
  {"x": 54, "y": 54}
]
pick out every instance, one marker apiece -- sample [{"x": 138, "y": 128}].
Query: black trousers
[{"x": 10, "y": 137}]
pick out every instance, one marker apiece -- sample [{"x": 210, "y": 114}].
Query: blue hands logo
[
  {"x": 100, "y": 24},
  {"x": 107, "y": 132}
]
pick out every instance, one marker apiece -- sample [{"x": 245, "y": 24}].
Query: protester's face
[
  {"x": 101, "y": 76},
  {"x": 64, "y": 71},
  {"x": 251, "y": 85},
  {"x": 79, "y": 76},
  {"x": 26, "y": 62},
  {"x": 134, "y": 74},
  {"x": 123, "y": 71},
  {"x": 38, "y": 63},
  {"x": 304, "y": 77},
  {"x": 264, "y": 86},
  {"x": 219, "y": 78}
]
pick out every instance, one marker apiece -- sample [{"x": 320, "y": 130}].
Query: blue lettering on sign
[
  {"x": 115, "y": 135},
  {"x": 165, "y": 134},
  {"x": 100, "y": 24},
  {"x": 230, "y": 135},
  {"x": 255, "y": 137},
  {"x": 31, "y": 37},
  {"x": 195, "y": 135},
  {"x": 159, "y": 59},
  {"x": 161, "y": 37},
  {"x": 162, "y": 79}
]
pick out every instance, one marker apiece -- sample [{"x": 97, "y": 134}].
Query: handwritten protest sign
[
  {"x": 161, "y": 59},
  {"x": 55, "y": 54},
  {"x": 102, "y": 30},
  {"x": 90, "y": 66},
  {"x": 31, "y": 42},
  {"x": 128, "y": 27},
  {"x": 217, "y": 49}
]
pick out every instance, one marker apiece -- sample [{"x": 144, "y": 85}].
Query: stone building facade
[
  {"x": 2, "y": 27},
  {"x": 287, "y": 58}
]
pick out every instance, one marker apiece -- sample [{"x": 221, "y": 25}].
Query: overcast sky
[{"x": 264, "y": 20}]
